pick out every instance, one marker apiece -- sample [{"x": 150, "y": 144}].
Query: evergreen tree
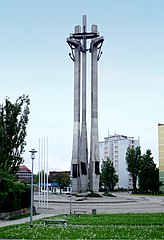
[
  {"x": 108, "y": 176},
  {"x": 133, "y": 156},
  {"x": 148, "y": 175}
]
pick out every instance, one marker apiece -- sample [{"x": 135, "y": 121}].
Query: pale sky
[{"x": 34, "y": 60}]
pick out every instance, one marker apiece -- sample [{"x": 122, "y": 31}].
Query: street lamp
[
  {"x": 70, "y": 194},
  {"x": 32, "y": 151}
]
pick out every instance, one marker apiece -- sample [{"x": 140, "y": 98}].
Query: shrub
[
  {"x": 107, "y": 194},
  {"x": 13, "y": 195}
]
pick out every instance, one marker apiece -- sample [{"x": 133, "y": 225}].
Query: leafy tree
[
  {"x": 148, "y": 173},
  {"x": 62, "y": 178},
  {"x": 41, "y": 175},
  {"x": 108, "y": 176},
  {"x": 133, "y": 156},
  {"x": 13, "y": 121}
]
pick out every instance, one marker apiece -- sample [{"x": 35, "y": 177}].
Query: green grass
[
  {"x": 119, "y": 219},
  {"x": 98, "y": 226}
]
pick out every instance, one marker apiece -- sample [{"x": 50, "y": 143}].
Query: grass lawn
[{"x": 98, "y": 226}]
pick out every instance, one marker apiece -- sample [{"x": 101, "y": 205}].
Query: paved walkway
[
  {"x": 122, "y": 203},
  {"x": 23, "y": 220}
]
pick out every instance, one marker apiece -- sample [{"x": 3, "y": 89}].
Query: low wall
[{"x": 8, "y": 215}]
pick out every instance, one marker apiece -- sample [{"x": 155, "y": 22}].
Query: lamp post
[
  {"x": 70, "y": 194},
  {"x": 32, "y": 151}
]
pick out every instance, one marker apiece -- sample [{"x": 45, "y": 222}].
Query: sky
[{"x": 34, "y": 60}]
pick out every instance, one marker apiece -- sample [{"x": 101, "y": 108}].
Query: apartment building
[
  {"x": 161, "y": 153},
  {"x": 115, "y": 147}
]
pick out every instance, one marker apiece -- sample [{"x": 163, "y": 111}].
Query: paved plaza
[{"x": 121, "y": 203}]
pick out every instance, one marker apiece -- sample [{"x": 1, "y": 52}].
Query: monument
[{"x": 85, "y": 176}]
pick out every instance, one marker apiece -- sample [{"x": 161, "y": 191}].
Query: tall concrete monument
[{"x": 85, "y": 176}]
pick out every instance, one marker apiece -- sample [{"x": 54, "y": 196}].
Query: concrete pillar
[
  {"x": 83, "y": 139},
  {"x": 94, "y": 168},
  {"x": 76, "y": 127}
]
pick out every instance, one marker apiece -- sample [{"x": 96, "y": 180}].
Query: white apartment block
[{"x": 115, "y": 147}]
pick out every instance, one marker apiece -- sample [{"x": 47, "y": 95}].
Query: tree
[
  {"x": 40, "y": 176},
  {"x": 148, "y": 175},
  {"x": 13, "y": 121},
  {"x": 62, "y": 178},
  {"x": 108, "y": 175},
  {"x": 133, "y": 156}
]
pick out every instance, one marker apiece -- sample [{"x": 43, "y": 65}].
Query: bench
[
  {"x": 52, "y": 221},
  {"x": 78, "y": 212}
]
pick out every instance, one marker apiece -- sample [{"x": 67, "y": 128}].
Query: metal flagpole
[
  {"x": 47, "y": 171},
  {"x": 39, "y": 174},
  {"x": 44, "y": 171}
]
